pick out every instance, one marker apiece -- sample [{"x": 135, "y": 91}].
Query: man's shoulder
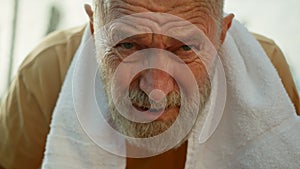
[
  {"x": 268, "y": 44},
  {"x": 61, "y": 37},
  {"x": 62, "y": 43},
  {"x": 54, "y": 52},
  {"x": 263, "y": 39}
]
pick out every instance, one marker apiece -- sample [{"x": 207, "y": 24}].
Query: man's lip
[
  {"x": 140, "y": 108},
  {"x": 155, "y": 114},
  {"x": 147, "y": 109}
]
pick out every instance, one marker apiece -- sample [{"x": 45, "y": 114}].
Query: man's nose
[{"x": 156, "y": 84}]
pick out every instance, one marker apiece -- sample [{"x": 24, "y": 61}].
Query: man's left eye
[
  {"x": 127, "y": 45},
  {"x": 186, "y": 48}
]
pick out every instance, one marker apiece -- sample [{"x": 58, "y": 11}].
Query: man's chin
[
  {"x": 145, "y": 138},
  {"x": 155, "y": 137},
  {"x": 148, "y": 138},
  {"x": 155, "y": 143}
]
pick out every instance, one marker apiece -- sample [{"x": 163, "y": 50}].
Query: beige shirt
[{"x": 26, "y": 110}]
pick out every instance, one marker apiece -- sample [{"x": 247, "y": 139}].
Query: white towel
[
  {"x": 259, "y": 128},
  {"x": 68, "y": 146}
]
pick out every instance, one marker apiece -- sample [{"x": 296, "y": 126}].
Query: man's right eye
[
  {"x": 125, "y": 49},
  {"x": 126, "y": 45}
]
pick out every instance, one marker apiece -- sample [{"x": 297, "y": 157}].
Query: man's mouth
[
  {"x": 165, "y": 109},
  {"x": 158, "y": 114},
  {"x": 146, "y": 108}
]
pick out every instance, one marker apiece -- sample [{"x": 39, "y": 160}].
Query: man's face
[{"x": 154, "y": 69}]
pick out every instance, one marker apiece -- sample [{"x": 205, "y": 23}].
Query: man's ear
[
  {"x": 90, "y": 14},
  {"x": 227, "y": 21}
]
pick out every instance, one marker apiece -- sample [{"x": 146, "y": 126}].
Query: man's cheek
[
  {"x": 192, "y": 77},
  {"x": 122, "y": 79},
  {"x": 199, "y": 71}
]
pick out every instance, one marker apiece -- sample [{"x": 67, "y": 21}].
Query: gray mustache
[{"x": 141, "y": 99}]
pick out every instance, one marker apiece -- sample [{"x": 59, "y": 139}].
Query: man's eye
[
  {"x": 186, "y": 48},
  {"x": 126, "y": 45}
]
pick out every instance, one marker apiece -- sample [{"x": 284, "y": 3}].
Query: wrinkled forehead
[
  {"x": 198, "y": 12},
  {"x": 180, "y": 7},
  {"x": 151, "y": 23},
  {"x": 159, "y": 16}
]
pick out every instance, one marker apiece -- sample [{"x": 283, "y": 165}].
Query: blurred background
[{"x": 24, "y": 23}]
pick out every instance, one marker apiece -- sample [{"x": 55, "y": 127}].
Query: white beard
[{"x": 153, "y": 136}]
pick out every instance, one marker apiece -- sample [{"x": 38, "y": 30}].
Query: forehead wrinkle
[
  {"x": 198, "y": 12},
  {"x": 125, "y": 8},
  {"x": 188, "y": 8},
  {"x": 199, "y": 17},
  {"x": 154, "y": 5},
  {"x": 155, "y": 24},
  {"x": 136, "y": 24},
  {"x": 135, "y": 6},
  {"x": 179, "y": 6},
  {"x": 177, "y": 29},
  {"x": 118, "y": 10}
]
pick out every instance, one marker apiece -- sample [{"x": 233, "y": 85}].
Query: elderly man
[{"x": 159, "y": 71}]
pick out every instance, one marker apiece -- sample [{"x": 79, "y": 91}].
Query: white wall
[{"x": 32, "y": 25}]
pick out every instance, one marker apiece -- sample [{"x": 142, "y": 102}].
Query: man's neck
[{"x": 172, "y": 159}]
